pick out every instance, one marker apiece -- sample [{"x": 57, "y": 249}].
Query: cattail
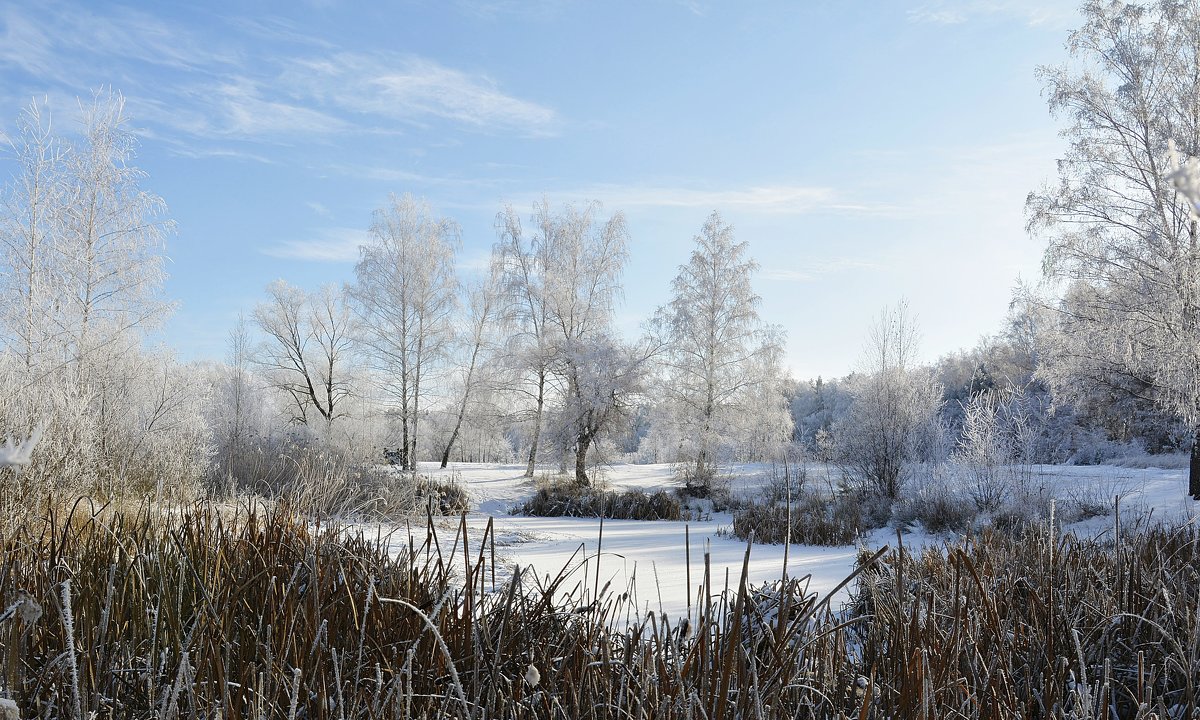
[
  {"x": 685, "y": 629},
  {"x": 532, "y": 676}
]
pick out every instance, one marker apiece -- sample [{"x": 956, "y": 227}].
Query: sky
[{"x": 868, "y": 152}]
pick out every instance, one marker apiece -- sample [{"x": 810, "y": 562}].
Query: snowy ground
[{"x": 650, "y": 559}]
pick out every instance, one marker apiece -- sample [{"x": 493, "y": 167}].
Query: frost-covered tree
[
  {"x": 404, "y": 295},
  {"x": 604, "y": 376},
  {"x": 81, "y": 283},
  {"x": 475, "y": 345},
  {"x": 718, "y": 354},
  {"x": 524, "y": 267},
  {"x": 112, "y": 242},
  {"x": 583, "y": 259},
  {"x": 236, "y": 411},
  {"x": 893, "y": 416},
  {"x": 1123, "y": 245},
  {"x": 83, "y": 241},
  {"x": 815, "y": 405},
  {"x": 306, "y": 353},
  {"x": 562, "y": 284},
  {"x": 30, "y": 229}
]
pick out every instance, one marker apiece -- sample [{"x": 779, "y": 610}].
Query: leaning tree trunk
[
  {"x": 462, "y": 411},
  {"x": 537, "y": 423},
  {"x": 1194, "y": 466}
]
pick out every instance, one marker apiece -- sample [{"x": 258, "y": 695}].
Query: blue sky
[{"x": 868, "y": 151}]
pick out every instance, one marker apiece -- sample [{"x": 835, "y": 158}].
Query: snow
[{"x": 649, "y": 559}]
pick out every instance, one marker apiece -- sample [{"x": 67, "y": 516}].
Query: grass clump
[
  {"x": 443, "y": 496},
  {"x": 569, "y": 499},
  {"x": 812, "y": 520}
]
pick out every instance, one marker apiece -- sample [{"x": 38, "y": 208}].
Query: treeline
[
  {"x": 519, "y": 363},
  {"x": 523, "y": 361}
]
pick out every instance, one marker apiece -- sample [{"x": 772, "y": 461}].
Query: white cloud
[
  {"x": 319, "y": 209},
  {"x": 247, "y": 113},
  {"x": 411, "y": 89},
  {"x": 810, "y": 271},
  {"x": 338, "y": 245},
  {"x": 784, "y": 199},
  {"x": 49, "y": 42},
  {"x": 936, "y": 16},
  {"x": 1029, "y": 12},
  {"x": 273, "y": 97}
]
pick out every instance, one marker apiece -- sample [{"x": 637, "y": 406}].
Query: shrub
[
  {"x": 937, "y": 512},
  {"x": 444, "y": 496},
  {"x": 569, "y": 499},
  {"x": 815, "y": 520},
  {"x": 939, "y": 502},
  {"x": 316, "y": 478}
]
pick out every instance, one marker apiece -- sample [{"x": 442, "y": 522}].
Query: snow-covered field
[{"x": 650, "y": 559}]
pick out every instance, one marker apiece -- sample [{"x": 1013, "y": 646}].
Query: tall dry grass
[{"x": 256, "y": 613}]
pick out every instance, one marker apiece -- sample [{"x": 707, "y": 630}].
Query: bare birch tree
[
  {"x": 524, "y": 285},
  {"x": 112, "y": 244},
  {"x": 29, "y": 230},
  {"x": 306, "y": 352},
  {"x": 562, "y": 283},
  {"x": 404, "y": 295}
]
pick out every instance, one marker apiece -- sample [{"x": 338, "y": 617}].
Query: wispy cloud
[
  {"x": 51, "y": 42},
  {"x": 937, "y": 15},
  {"x": 319, "y": 209},
  {"x": 782, "y": 198},
  {"x": 413, "y": 89},
  {"x": 811, "y": 271},
  {"x": 232, "y": 87},
  {"x": 338, "y": 245},
  {"x": 274, "y": 29},
  {"x": 188, "y": 151},
  {"x": 247, "y": 113},
  {"x": 1029, "y": 12}
]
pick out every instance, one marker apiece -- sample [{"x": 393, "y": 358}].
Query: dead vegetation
[{"x": 258, "y": 613}]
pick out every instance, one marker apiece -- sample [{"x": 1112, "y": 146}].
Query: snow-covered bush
[
  {"x": 938, "y": 503},
  {"x": 812, "y": 519},
  {"x": 136, "y": 430},
  {"x": 892, "y": 421},
  {"x": 995, "y": 443},
  {"x": 570, "y": 499}
]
